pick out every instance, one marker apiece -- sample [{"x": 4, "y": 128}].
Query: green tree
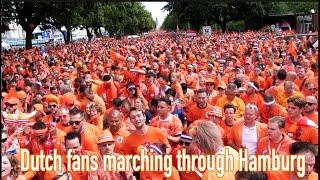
[
  {"x": 92, "y": 14},
  {"x": 64, "y": 14},
  {"x": 208, "y": 13},
  {"x": 127, "y": 18},
  {"x": 26, "y": 13}
]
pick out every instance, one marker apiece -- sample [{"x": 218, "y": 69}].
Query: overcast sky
[{"x": 155, "y": 9}]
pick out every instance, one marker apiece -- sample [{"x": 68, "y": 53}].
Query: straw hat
[{"x": 105, "y": 137}]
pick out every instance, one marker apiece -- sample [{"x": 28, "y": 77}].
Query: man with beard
[
  {"x": 310, "y": 109},
  {"x": 199, "y": 110}
]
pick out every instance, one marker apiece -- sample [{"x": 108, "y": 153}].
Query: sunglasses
[
  {"x": 74, "y": 122},
  {"x": 4, "y": 140},
  {"x": 52, "y": 106},
  {"x": 71, "y": 104},
  {"x": 220, "y": 89},
  {"x": 11, "y": 105},
  {"x": 312, "y": 89},
  {"x": 62, "y": 116},
  {"x": 210, "y": 84},
  {"x": 309, "y": 104}
]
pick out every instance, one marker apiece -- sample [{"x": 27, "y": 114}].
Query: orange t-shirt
[
  {"x": 98, "y": 122},
  {"x": 275, "y": 110},
  {"x": 63, "y": 128},
  {"x": 252, "y": 99},
  {"x": 119, "y": 138},
  {"x": 227, "y": 132},
  {"x": 146, "y": 175},
  {"x": 301, "y": 132},
  {"x": 195, "y": 113},
  {"x": 314, "y": 117},
  {"x": 89, "y": 140},
  {"x": 153, "y": 135},
  {"x": 172, "y": 124}
]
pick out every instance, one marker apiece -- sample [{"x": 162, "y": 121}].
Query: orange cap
[{"x": 51, "y": 98}]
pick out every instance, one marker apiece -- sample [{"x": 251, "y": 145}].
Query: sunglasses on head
[{"x": 74, "y": 122}]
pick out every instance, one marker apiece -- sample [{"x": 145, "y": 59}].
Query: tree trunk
[
  {"x": 63, "y": 34},
  {"x": 96, "y": 32},
  {"x": 89, "y": 34},
  {"x": 29, "y": 31},
  {"x": 99, "y": 30},
  {"x": 68, "y": 40},
  {"x": 223, "y": 26}
]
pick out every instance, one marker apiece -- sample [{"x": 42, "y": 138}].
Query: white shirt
[{"x": 250, "y": 138}]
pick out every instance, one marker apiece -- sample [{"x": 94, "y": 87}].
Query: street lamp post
[{"x": 312, "y": 11}]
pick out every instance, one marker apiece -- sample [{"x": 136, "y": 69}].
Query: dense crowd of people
[{"x": 161, "y": 91}]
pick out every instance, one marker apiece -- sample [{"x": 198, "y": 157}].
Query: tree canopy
[
  {"x": 118, "y": 18},
  {"x": 200, "y": 13}
]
